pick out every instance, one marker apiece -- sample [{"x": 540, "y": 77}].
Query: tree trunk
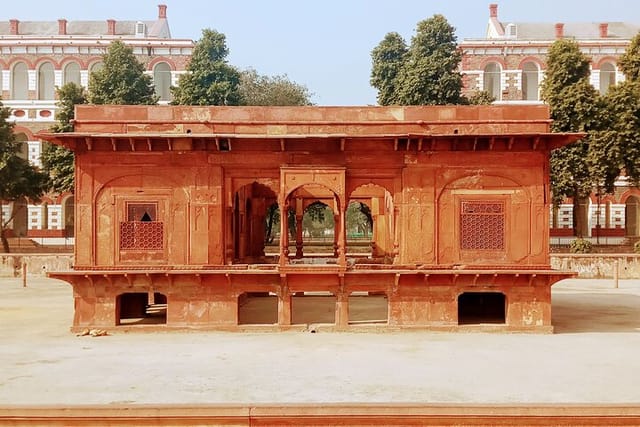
[
  {"x": 5, "y": 241},
  {"x": 580, "y": 217},
  {"x": 3, "y": 237}
]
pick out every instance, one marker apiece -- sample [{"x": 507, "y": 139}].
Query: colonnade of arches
[
  {"x": 45, "y": 78},
  {"x": 314, "y": 227},
  {"x": 608, "y": 217},
  {"x": 531, "y": 78}
]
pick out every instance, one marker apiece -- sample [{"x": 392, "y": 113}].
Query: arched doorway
[
  {"x": 632, "y": 216},
  {"x": 316, "y": 225},
  {"x": 253, "y": 223},
  {"x": 359, "y": 229},
  {"x": 369, "y": 221}
]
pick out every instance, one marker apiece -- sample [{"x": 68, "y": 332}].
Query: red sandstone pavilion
[{"x": 171, "y": 205}]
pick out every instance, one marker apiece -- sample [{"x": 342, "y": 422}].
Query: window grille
[
  {"x": 140, "y": 235},
  {"x": 482, "y": 225}
]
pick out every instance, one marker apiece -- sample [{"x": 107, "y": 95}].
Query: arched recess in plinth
[
  {"x": 490, "y": 220},
  {"x": 370, "y": 223},
  {"x": 254, "y": 223},
  {"x": 317, "y": 202}
]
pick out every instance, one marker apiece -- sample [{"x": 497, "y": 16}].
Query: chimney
[
  {"x": 559, "y": 30},
  {"x": 493, "y": 10},
  {"x": 162, "y": 11},
  {"x": 13, "y": 27},
  {"x": 62, "y": 27},
  {"x": 111, "y": 27},
  {"x": 604, "y": 30}
]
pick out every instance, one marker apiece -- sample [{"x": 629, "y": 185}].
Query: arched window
[
  {"x": 530, "y": 81},
  {"x": 96, "y": 66},
  {"x": 162, "y": 80},
  {"x": 607, "y": 77},
  {"x": 72, "y": 73},
  {"x": 491, "y": 80},
  {"x": 20, "y": 82},
  {"x": 46, "y": 82}
]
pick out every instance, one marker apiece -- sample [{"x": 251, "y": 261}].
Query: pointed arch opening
[
  {"x": 313, "y": 226},
  {"x": 369, "y": 223},
  {"x": 255, "y": 220}
]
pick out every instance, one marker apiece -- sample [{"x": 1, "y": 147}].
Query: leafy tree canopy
[
  {"x": 58, "y": 162},
  {"x": 575, "y": 106},
  {"x": 629, "y": 62},
  {"x": 121, "y": 80},
  {"x": 257, "y": 89},
  {"x": 387, "y": 61},
  {"x": 209, "y": 79},
  {"x": 19, "y": 180},
  {"x": 425, "y": 73}
]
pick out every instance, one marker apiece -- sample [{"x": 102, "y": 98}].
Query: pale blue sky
[{"x": 323, "y": 44}]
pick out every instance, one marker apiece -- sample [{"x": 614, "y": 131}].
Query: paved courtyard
[{"x": 594, "y": 356}]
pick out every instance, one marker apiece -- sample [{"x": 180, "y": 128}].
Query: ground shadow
[{"x": 595, "y": 312}]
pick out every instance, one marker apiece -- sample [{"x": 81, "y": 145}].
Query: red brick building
[
  {"x": 510, "y": 61},
  {"x": 38, "y": 56}
]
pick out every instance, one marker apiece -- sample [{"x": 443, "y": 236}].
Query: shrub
[
  {"x": 580, "y": 246},
  {"x": 636, "y": 247}
]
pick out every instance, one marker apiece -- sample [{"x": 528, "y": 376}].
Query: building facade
[
  {"x": 36, "y": 57},
  {"x": 509, "y": 62},
  {"x": 171, "y": 216}
]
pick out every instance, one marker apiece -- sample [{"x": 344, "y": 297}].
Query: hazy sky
[{"x": 323, "y": 44}]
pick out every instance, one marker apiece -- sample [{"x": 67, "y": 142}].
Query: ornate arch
[{"x": 155, "y": 61}]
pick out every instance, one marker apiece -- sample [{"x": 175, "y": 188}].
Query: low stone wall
[
  {"x": 592, "y": 266},
  {"x": 37, "y": 264},
  {"x": 599, "y": 266}
]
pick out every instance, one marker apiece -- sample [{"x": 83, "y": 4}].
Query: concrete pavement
[{"x": 592, "y": 358}]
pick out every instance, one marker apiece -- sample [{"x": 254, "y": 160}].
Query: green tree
[
  {"x": 57, "y": 161},
  {"x": 209, "y": 79},
  {"x": 19, "y": 180},
  {"x": 481, "y": 97},
  {"x": 387, "y": 60},
  {"x": 616, "y": 147},
  {"x": 575, "y": 106},
  {"x": 256, "y": 89},
  {"x": 427, "y": 74},
  {"x": 121, "y": 80}
]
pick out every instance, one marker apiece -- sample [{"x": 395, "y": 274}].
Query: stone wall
[
  {"x": 598, "y": 266},
  {"x": 37, "y": 264},
  {"x": 591, "y": 266}
]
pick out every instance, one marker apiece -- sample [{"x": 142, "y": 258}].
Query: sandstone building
[{"x": 171, "y": 207}]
